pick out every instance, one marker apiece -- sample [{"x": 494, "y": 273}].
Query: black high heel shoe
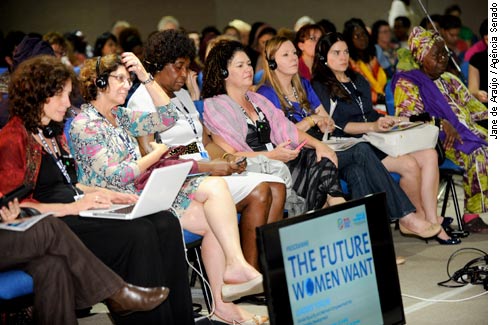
[
  {"x": 446, "y": 221},
  {"x": 451, "y": 241}
]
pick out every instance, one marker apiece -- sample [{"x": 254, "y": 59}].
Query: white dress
[{"x": 183, "y": 133}]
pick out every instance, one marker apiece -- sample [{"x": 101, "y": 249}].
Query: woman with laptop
[
  {"x": 260, "y": 198},
  {"x": 148, "y": 251},
  {"x": 103, "y": 138}
]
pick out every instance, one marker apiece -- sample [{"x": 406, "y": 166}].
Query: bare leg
[
  {"x": 278, "y": 191},
  {"x": 218, "y": 216},
  {"x": 254, "y": 209},
  {"x": 333, "y": 200},
  {"x": 410, "y": 181},
  {"x": 427, "y": 162},
  {"x": 214, "y": 260}
]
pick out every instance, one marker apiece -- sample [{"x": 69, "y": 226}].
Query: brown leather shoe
[{"x": 131, "y": 298}]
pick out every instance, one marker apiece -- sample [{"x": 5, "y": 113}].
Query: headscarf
[{"x": 421, "y": 41}]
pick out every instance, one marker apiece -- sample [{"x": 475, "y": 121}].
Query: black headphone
[
  {"x": 52, "y": 130},
  {"x": 271, "y": 63},
  {"x": 224, "y": 73},
  {"x": 102, "y": 80},
  {"x": 48, "y": 131}
]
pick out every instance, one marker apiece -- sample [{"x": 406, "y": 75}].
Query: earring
[{"x": 326, "y": 63}]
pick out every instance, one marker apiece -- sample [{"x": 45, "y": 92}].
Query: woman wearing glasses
[
  {"x": 106, "y": 150},
  {"x": 305, "y": 42}
]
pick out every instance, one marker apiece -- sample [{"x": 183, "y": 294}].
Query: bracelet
[
  {"x": 150, "y": 79},
  {"x": 311, "y": 121},
  {"x": 225, "y": 155}
]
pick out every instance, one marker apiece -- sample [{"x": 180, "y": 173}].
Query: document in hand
[{"x": 23, "y": 224}]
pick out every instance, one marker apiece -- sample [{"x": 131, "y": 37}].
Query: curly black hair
[
  {"x": 165, "y": 47},
  {"x": 217, "y": 61},
  {"x": 32, "y": 83}
]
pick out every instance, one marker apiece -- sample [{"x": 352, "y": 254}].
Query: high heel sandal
[
  {"x": 451, "y": 241},
  {"x": 429, "y": 232}
]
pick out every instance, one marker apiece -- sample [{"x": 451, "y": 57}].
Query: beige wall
[{"x": 96, "y": 16}]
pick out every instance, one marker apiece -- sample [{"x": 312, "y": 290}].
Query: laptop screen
[{"x": 333, "y": 266}]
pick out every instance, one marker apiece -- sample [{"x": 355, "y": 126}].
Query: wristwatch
[{"x": 150, "y": 79}]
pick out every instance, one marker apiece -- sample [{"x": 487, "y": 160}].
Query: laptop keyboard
[{"x": 124, "y": 210}]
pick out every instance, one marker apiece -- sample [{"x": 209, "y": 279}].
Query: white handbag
[{"x": 406, "y": 140}]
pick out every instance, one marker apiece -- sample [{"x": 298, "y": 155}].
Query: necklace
[
  {"x": 294, "y": 93},
  {"x": 356, "y": 99}
]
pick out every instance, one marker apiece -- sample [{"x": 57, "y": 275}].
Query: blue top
[{"x": 298, "y": 114}]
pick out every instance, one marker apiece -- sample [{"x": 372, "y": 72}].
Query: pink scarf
[{"x": 224, "y": 117}]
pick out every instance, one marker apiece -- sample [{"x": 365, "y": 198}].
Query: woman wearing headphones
[{"x": 106, "y": 150}]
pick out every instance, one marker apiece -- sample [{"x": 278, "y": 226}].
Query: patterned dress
[
  {"x": 468, "y": 110},
  {"x": 107, "y": 156}
]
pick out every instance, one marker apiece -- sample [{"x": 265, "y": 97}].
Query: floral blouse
[{"x": 107, "y": 156}]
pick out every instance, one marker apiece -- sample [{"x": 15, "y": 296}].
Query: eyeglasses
[
  {"x": 313, "y": 38},
  {"x": 122, "y": 79}
]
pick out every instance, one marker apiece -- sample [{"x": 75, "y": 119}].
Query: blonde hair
[{"x": 270, "y": 77}]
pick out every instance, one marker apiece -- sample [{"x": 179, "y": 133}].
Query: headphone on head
[
  {"x": 224, "y": 73},
  {"x": 322, "y": 59},
  {"x": 271, "y": 62},
  {"x": 101, "y": 81}
]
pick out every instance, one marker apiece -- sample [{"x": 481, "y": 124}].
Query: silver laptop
[{"x": 158, "y": 195}]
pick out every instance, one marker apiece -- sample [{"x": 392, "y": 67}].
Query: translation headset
[
  {"x": 101, "y": 81},
  {"x": 48, "y": 131},
  {"x": 51, "y": 130},
  {"x": 224, "y": 73},
  {"x": 271, "y": 62},
  {"x": 322, "y": 59}
]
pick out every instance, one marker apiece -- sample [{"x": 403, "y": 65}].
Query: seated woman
[
  {"x": 103, "y": 136},
  {"x": 358, "y": 165},
  {"x": 424, "y": 86},
  {"x": 245, "y": 123},
  {"x": 59, "y": 264},
  {"x": 259, "y": 197},
  {"x": 385, "y": 49},
  {"x": 141, "y": 251},
  {"x": 354, "y": 115},
  {"x": 363, "y": 58},
  {"x": 305, "y": 40}
]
